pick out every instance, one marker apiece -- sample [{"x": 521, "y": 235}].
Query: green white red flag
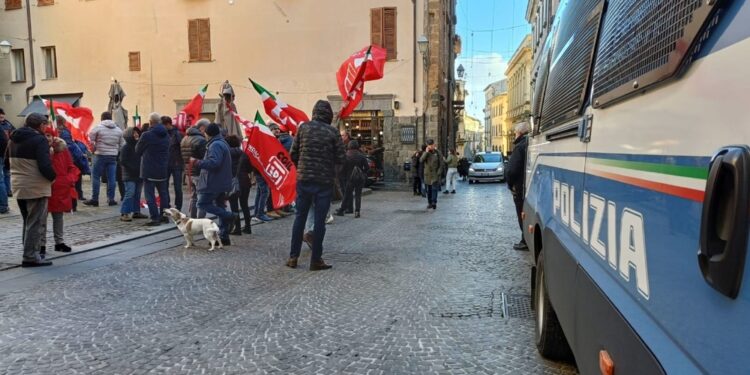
[
  {"x": 77, "y": 119},
  {"x": 191, "y": 112},
  {"x": 287, "y": 117},
  {"x": 259, "y": 118},
  {"x": 268, "y": 156},
  {"x": 364, "y": 65}
]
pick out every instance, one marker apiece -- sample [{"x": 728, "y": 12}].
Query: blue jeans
[
  {"x": 6, "y": 172},
  {"x": 176, "y": 175},
  {"x": 102, "y": 164},
  {"x": 214, "y": 203},
  {"x": 307, "y": 195},
  {"x": 148, "y": 190},
  {"x": 432, "y": 192},
  {"x": 261, "y": 196},
  {"x": 3, "y": 188},
  {"x": 131, "y": 203}
]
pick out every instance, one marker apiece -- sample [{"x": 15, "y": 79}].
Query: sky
[{"x": 490, "y": 31}]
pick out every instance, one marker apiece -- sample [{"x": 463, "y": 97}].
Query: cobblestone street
[{"x": 411, "y": 291}]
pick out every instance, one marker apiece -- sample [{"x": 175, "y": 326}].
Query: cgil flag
[
  {"x": 365, "y": 65},
  {"x": 192, "y": 110},
  {"x": 287, "y": 117},
  {"x": 77, "y": 119},
  {"x": 268, "y": 156}
]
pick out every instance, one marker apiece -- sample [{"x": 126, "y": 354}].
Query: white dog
[{"x": 189, "y": 227}]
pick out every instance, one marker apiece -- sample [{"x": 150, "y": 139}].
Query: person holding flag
[{"x": 316, "y": 151}]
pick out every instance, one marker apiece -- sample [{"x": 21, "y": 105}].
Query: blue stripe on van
[{"x": 685, "y": 161}]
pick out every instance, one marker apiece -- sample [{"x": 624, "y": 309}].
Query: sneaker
[
  {"x": 226, "y": 242},
  {"x": 320, "y": 266},
  {"x": 152, "y": 223},
  {"x": 264, "y": 218},
  {"x": 292, "y": 262},
  {"x": 36, "y": 264},
  {"x": 91, "y": 203},
  {"x": 273, "y": 214},
  {"x": 112, "y": 203},
  {"x": 356, "y": 214},
  {"x": 63, "y": 248},
  {"x": 453, "y": 192},
  {"x": 125, "y": 217},
  {"x": 255, "y": 220},
  {"x": 282, "y": 213},
  {"x": 445, "y": 192},
  {"x": 521, "y": 246},
  {"x": 308, "y": 237},
  {"x": 139, "y": 215},
  {"x": 329, "y": 219}
]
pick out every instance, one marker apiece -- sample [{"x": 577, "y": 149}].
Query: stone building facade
[{"x": 519, "y": 84}]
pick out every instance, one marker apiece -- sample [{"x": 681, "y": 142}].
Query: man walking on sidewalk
[
  {"x": 432, "y": 160},
  {"x": 516, "y": 176},
  {"x": 106, "y": 140},
  {"x": 316, "y": 151},
  {"x": 32, "y": 174}
]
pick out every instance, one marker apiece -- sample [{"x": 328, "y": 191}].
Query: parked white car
[{"x": 487, "y": 166}]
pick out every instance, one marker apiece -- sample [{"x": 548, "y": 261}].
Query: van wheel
[{"x": 550, "y": 339}]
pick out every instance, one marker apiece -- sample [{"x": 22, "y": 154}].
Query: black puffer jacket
[
  {"x": 517, "y": 164},
  {"x": 128, "y": 159},
  {"x": 193, "y": 145},
  {"x": 317, "y": 148}
]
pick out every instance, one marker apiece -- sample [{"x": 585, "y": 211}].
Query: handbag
[{"x": 235, "y": 190}]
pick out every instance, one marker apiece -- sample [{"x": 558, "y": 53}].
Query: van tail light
[{"x": 606, "y": 364}]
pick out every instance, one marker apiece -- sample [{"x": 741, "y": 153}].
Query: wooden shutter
[
  {"x": 45, "y": 2},
  {"x": 134, "y": 61},
  {"x": 389, "y": 32},
  {"x": 376, "y": 26},
  {"x": 204, "y": 39},
  {"x": 199, "y": 39},
  {"x": 12, "y": 4}
]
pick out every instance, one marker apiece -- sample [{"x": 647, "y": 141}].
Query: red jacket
[{"x": 63, "y": 189}]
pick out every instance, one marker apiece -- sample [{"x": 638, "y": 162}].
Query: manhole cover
[
  {"x": 517, "y": 306},
  {"x": 470, "y": 306}
]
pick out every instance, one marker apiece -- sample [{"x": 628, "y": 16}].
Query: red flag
[
  {"x": 287, "y": 117},
  {"x": 78, "y": 119},
  {"x": 191, "y": 112},
  {"x": 268, "y": 156},
  {"x": 365, "y": 65}
]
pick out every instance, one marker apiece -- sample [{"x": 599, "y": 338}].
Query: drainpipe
[
  {"x": 414, "y": 51},
  {"x": 31, "y": 51}
]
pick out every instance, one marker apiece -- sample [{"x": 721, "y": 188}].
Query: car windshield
[{"x": 487, "y": 158}]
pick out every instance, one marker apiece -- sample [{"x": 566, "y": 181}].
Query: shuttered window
[
  {"x": 134, "y": 61},
  {"x": 45, "y": 2},
  {"x": 383, "y": 30},
  {"x": 12, "y": 4},
  {"x": 199, "y": 39}
]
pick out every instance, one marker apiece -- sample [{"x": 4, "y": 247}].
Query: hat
[
  {"x": 35, "y": 120},
  {"x": 430, "y": 141},
  {"x": 353, "y": 145},
  {"x": 213, "y": 130}
]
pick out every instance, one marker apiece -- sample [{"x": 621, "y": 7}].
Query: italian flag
[
  {"x": 191, "y": 112},
  {"x": 259, "y": 118},
  {"x": 77, "y": 119},
  {"x": 287, "y": 117}
]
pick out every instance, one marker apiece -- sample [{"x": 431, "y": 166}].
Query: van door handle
[{"x": 724, "y": 220}]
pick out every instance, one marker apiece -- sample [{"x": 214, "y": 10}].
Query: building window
[
  {"x": 199, "y": 39},
  {"x": 134, "y": 61},
  {"x": 383, "y": 30},
  {"x": 18, "y": 65},
  {"x": 50, "y": 62},
  {"x": 12, "y": 4},
  {"x": 42, "y": 3}
]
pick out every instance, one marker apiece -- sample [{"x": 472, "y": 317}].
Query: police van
[{"x": 638, "y": 186}]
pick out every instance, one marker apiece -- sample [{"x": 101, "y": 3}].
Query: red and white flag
[
  {"x": 77, "y": 119},
  {"x": 190, "y": 113},
  {"x": 287, "y": 117},
  {"x": 268, "y": 156},
  {"x": 365, "y": 65}
]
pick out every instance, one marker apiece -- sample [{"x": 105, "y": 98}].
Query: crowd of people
[{"x": 46, "y": 166}]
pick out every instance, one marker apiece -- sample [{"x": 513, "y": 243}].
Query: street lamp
[
  {"x": 461, "y": 71},
  {"x": 5, "y": 47},
  {"x": 423, "y": 45}
]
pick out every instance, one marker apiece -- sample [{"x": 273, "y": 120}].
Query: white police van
[{"x": 638, "y": 187}]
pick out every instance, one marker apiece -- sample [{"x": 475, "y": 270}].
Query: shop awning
[{"x": 38, "y": 106}]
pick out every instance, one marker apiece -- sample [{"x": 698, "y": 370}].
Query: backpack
[{"x": 357, "y": 178}]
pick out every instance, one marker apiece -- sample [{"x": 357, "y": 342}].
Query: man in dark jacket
[
  {"x": 131, "y": 176},
  {"x": 516, "y": 176},
  {"x": 355, "y": 172},
  {"x": 176, "y": 166},
  {"x": 316, "y": 151},
  {"x": 3, "y": 189},
  {"x": 5, "y": 127},
  {"x": 153, "y": 150},
  {"x": 32, "y": 174},
  {"x": 193, "y": 145},
  {"x": 215, "y": 179}
]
